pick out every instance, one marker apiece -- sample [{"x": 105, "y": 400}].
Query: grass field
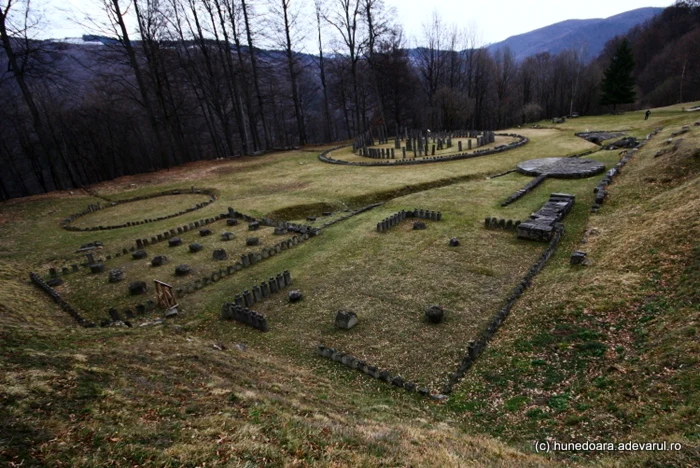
[{"x": 593, "y": 353}]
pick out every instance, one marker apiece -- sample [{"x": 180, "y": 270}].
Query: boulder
[
  {"x": 174, "y": 241},
  {"x": 419, "y": 225},
  {"x": 254, "y": 226},
  {"x": 434, "y": 314},
  {"x": 159, "y": 260},
  {"x": 97, "y": 267},
  {"x": 183, "y": 270},
  {"x": 195, "y": 247},
  {"x": 205, "y": 232},
  {"x": 219, "y": 254},
  {"x": 578, "y": 257},
  {"x": 454, "y": 242},
  {"x": 139, "y": 254},
  {"x": 345, "y": 319},
  {"x": 138, "y": 287},
  {"x": 227, "y": 236},
  {"x": 295, "y": 295},
  {"x": 116, "y": 275},
  {"x": 251, "y": 241},
  {"x": 231, "y": 222}
]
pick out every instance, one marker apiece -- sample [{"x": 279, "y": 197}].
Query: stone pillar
[
  {"x": 248, "y": 299},
  {"x": 257, "y": 293},
  {"x": 274, "y": 287},
  {"x": 287, "y": 277},
  {"x": 459, "y": 146}
]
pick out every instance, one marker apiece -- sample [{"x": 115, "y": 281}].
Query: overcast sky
[{"x": 493, "y": 20}]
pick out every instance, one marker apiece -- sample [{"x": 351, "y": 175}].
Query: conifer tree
[{"x": 617, "y": 86}]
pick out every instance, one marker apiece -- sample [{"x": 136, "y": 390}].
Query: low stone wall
[
  {"x": 500, "y": 223},
  {"x": 476, "y": 347},
  {"x": 257, "y": 293},
  {"x": 525, "y": 190},
  {"x": 373, "y": 371},
  {"x": 244, "y": 315},
  {"x": 350, "y": 215},
  {"x": 36, "y": 279},
  {"x": 541, "y": 226},
  {"x": 325, "y": 156},
  {"x": 600, "y": 190},
  {"x": 396, "y": 218},
  {"x": 65, "y": 224},
  {"x": 501, "y": 174}
]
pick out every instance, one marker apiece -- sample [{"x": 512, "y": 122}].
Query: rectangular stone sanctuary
[{"x": 540, "y": 226}]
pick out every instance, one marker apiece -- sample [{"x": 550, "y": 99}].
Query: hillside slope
[{"x": 608, "y": 352}]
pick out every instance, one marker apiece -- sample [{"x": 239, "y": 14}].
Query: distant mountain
[{"x": 589, "y": 34}]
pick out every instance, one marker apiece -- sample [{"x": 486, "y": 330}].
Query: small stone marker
[
  {"x": 251, "y": 241},
  {"x": 231, "y": 222},
  {"x": 205, "y": 232},
  {"x": 454, "y": 242},
  {"x": 254, "y": 226},
  {"x": 97, "y": 267},
  {"x": 174, "y": 241},
  {"x": 345, "y": 319},
  {"x": 295, "y": 295},
  {"x": 434, "y": 314}
]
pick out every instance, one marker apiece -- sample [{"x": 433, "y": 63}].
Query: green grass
[{"x": 603, "y": 351}]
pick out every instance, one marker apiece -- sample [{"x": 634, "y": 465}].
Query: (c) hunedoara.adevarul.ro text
[{"x": 546, "y": 446}]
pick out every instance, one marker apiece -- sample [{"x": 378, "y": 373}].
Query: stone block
[{"x": 345, "y": 319}]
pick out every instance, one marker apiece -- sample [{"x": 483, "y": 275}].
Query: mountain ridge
[{"x": 590, "y": 35}]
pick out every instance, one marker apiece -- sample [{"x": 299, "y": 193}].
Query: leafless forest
[{"x": 173, "y": 81}]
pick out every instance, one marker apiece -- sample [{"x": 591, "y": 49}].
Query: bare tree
[
  {"x": 285, "y": 23},
  {"x": 254, "y": 68},
  {"x": 346, "y": 17}
]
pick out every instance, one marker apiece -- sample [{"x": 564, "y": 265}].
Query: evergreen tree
[{"x": 617, "y": 86}]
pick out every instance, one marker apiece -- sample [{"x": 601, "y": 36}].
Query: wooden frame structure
[{"x": 164, "y": 295}]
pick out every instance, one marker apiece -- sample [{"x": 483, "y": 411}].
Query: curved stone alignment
[
  {"x": 561, "y": 168},
  {"x": 520, "y": 141},
  {"x": 66, "y": 223}
]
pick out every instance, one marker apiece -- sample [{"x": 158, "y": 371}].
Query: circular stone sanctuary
[
  {"x": 420, "y": 147},
  {"x": 561, "y": 168}
]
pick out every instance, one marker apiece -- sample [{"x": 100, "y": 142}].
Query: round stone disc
[{"x": 562, "y": 168}]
